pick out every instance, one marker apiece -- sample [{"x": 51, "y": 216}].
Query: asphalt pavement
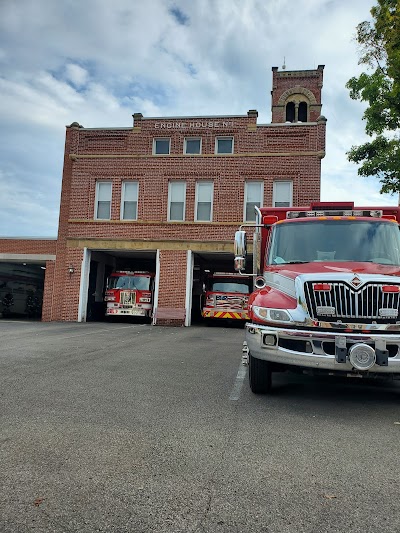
[{"x": 134, "y": 428}]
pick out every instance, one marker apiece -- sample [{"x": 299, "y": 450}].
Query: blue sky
[{"x": 98, "y": 62}]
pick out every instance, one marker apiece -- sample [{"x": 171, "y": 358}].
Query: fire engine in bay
[
  {"x": 327, "y": 294},
  {"x": 130, "y": 293},
  {"x": 225, "y": 296}
]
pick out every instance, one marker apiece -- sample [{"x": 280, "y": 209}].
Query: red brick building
[{"x": 168, "y": 194}]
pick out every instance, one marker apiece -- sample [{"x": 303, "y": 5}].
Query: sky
[{"x": 97, "y": 62}]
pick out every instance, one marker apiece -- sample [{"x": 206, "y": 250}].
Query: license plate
[{"x": 136, "y": 312}]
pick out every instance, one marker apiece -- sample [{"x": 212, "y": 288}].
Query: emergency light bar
[{"x": 335, "y": 213}]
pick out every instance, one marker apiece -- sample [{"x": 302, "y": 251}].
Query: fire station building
[{"x": 166, "y": 195}]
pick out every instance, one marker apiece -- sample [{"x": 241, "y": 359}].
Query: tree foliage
[{"x": 379, "y": 46}]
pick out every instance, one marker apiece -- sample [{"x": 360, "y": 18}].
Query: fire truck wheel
[{"x": 260, "y": 375}]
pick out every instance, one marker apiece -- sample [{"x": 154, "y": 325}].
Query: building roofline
[
  {"x": 320, "y": 67},
  {"x": 287, "y": 124},
  {"x": 19, "y": 238},
  {"x": 105, "y": 128},
  {"x": 194, "y": 117}
]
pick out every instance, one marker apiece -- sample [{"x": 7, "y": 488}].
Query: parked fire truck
[
  {"x": 327, "y": 294},
  {"x": 225, "y": 296},
  {"x": 129, "y": 293}
]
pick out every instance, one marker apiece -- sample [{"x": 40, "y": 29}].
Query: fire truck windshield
[
  {"x": 229, "y": 286},
  {"x": 335, "y": 240},
  {"x": 142, "y": 283}
]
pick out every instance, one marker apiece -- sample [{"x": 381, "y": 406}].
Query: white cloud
[
  {"x": 19, "y": 208},
  {"x": 77, "y": 75}
]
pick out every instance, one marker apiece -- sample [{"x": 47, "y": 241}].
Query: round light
[
  {"x": 260, "y": 282},
  {"x": 362, "y": 356}
]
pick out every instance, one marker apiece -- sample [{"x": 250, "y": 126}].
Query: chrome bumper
[{"x": 314, "y": 355}]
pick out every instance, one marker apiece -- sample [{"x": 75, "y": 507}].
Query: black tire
[{"x": 260, "y": 375}]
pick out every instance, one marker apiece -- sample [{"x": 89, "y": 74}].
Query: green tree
[{"x": 379, "y": 45}]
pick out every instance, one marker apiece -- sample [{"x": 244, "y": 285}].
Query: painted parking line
[{"x": 237, "y": 386}]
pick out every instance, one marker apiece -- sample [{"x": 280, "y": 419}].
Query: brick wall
[
  {"x": 48, "y": 291},
  {"x": 172, "y": 293},
  {"x": 28, "y": 246}
]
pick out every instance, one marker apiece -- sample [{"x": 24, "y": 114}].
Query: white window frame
[
  {"x": 169, "y": 201},
  {"x": 274, "y": 191},
  {"x": 96, "y": 201},
  {"x": 161, "y": 139},
  {"x": 193, "y": 139},
  {"x": 198, "y": 183},
  {"x": 221, "y": 138},
  {"x": 246, "y": 185},
  {"x": 123, "y": 199}
]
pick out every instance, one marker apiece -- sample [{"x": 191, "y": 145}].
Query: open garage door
[
  {"x": 21, "y": 290},
  {"x": 129, "y": 279},
  {"x": 206, "y": 264}
]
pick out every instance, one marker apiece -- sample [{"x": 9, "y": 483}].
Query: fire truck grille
[
  {"x": 343, "y": 302},
  {"x": 230, "y": 302},
  {"x": 128, "y": 298}
]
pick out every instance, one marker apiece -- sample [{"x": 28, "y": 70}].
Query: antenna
[{"x": 284, "y": 63}]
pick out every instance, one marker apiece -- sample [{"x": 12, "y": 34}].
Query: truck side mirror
[{"x": 240, "y": 250}]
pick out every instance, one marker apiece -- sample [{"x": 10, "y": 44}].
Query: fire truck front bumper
[
  {"x": 228, "y": 314},
  {"x": 361, "y": 353},
  {"x": 125, "y": 310}
]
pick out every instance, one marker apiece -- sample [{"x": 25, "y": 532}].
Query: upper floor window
[
  {"x": 224, "y": 145},
  {"x": 192, "y": 145},
  {"x": 303, "y": 112},
  {"x": 129, "y": 200},
  {"x": 176, "y": 200},
  {"x": 296, "y": 112},
  {"x": 204, "y": 201},
  {"x": 290, "y": 112},
  {"x": 282, "y": 195},
  {"x": 253, "y": 195},
  {"x": 161, "y": 146},
  {"x": 103, "y": 200}
]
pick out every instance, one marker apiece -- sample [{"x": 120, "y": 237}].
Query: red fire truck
[
  {"x": 327, "y": 294},
  {"x": 225, "y": 296},
  {"x": 130, "y": 293}
]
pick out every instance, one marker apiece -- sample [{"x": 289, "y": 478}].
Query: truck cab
[
  {"x": 225, "y": 296},
  {"x": 130, "y": 293},
  {"x": 327, "y": 295}
]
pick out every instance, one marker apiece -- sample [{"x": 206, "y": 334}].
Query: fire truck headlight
[
  {"x": 280, "y": 315},
  {"x": 109, "y": 298},
  {"x": 275, "y": 315},
  {"x": 145, "y": 300}
]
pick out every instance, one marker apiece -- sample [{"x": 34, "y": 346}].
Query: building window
[
  {"x": 129, "y": 200},
  {"x": 290, "y": 112},
  {"x": 176, "y": 200},
  {"x": 303, "y": 112},
  {"x": 204, "y": 201},
  {"x": 282, "y": 194},
  {"x": 253, "y": 195},
  {"x": 161, "y": 146},
  {"x": 103, "y": 200},
  {"x": 192, "y": 146},
  {"x": 224, "y": 145}
]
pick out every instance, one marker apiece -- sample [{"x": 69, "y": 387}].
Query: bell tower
[{"x": 296, "y": 95}]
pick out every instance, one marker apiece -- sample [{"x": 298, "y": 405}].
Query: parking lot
[{"x": 129, "y": 427}]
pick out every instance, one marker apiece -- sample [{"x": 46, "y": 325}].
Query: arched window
[
  {"x": 290, "y": 112},
  {"x": 303, "y": 112}
]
